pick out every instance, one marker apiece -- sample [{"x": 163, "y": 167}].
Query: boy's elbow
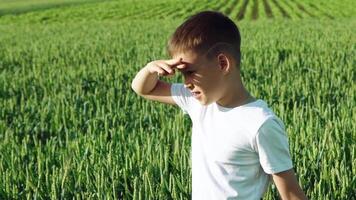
[{"x": 136, "y": 89}]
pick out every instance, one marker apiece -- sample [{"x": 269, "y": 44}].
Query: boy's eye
[{"x": 190, "y": 72}]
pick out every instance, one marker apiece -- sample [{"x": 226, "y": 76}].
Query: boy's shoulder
[
  {"x": 250, "y": 116},
  {"x": 255, "y": 110}
]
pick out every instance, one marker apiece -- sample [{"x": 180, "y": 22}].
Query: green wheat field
[{"x": 72, "y": 128}]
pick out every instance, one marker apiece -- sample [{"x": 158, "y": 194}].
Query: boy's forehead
[{"x": 188, "y": 57}]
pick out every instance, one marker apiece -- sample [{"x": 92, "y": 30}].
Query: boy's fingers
[
  {"x": 170, "y": 75},
  {"x": 159, "y": 70},
  {"x": 181, "y": 66},
  {"x": 166, "y": 68}
]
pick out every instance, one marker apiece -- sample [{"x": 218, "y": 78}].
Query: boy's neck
[{"x": 235, "y": 95}]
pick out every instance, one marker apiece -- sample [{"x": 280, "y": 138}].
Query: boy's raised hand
[
  {"x": 165, "y": 67},
  {"x": 147, "y": 84}
]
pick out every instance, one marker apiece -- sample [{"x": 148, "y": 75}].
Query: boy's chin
[{"x": 204, "y": 102}]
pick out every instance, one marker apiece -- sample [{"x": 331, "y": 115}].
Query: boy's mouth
[{"x": 195, "y": 94}]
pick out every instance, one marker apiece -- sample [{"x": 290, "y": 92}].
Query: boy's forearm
[
  {"x": 144, "y": 81},
  {"x": 288, "y": 186}
]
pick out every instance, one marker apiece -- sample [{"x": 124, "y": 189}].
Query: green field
[{"x": 71, "y": 127}]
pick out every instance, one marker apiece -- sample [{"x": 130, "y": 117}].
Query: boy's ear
[{"x": 224, "y": 63}]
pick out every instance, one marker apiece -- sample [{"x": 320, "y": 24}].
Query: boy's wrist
[
  {"x": 151, "y": 73},
  {"x": 148, "y": 70}
]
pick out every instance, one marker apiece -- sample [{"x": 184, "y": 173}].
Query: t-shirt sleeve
[
  {"x": 272, "y": 146},
  {"x": 182, "y": 96}
]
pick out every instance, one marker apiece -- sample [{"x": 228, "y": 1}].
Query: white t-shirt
[{"x": 233, "y": 149}]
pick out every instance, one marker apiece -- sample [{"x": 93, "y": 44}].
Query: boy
[{"x": 238, "y": 143}]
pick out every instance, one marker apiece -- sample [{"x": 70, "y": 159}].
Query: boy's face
[{"x": 202, "y": 77}]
